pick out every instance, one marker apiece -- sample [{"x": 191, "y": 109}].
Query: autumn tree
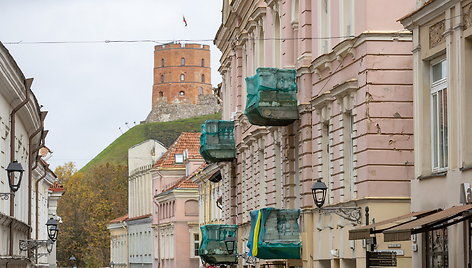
[{"x": 91, "y": 200}]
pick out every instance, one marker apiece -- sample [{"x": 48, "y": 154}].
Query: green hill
[{"x": 165, "y": 132}]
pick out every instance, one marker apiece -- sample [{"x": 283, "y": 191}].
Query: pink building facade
[
  {"x": 355, "y": 129},
  {"x": 175, "y": 213}
]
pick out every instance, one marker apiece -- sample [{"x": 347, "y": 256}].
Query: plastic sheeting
[
  {"x": 272, "y": 97},
  {"x": 217, "y": 141},
  {"x": 212, "y": 247},
  {"x": 275, "y": 234}
]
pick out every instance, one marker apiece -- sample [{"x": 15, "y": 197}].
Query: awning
[
  {"x": 438, "y": 220},
  {"x": 364, "y": 232}
]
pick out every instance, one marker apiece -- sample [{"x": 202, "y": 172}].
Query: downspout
[
  {"x": 158, "y": 234},
  {"x": 27, "y": 84},
  {"x": 37, "y": 198},
  {"x": 30, "y": 176},
  {"x": 32, "y": 158},
  {"x": 37, "y": 205}
]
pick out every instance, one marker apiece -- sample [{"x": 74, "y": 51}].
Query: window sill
[{"x": 433, "y": 175}]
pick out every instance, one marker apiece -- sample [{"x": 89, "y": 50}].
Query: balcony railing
[
  {"x": 272, "y": 97},
  {"x": 217, "y": 141}
]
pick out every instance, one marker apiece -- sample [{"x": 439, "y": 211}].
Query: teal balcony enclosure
[
  {"x": 217, "y": 141},
  {"x": 275, "y": 234},
  {"x": 272, "y": 97},
  {"x": 212, "y": 247}
]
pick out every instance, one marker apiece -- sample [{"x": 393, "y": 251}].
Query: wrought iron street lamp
[
  {"x": 15, "y": 173},
  {"x": 230, "y": 244},
  {"x": 53, "y": 229},
  {"x": 319, "y": 191}
]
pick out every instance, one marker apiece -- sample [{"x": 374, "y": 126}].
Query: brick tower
[{"x": 181, "y": 73}]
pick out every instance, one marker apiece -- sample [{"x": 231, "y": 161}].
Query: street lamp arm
[{"x": 352, "y": 214}]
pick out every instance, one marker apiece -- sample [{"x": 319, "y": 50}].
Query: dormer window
[{"x": 179, "y": 158}]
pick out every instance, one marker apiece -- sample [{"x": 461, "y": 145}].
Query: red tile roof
[
  {"x": 56, "y": 187},
  {"x": 138, "y": 217},
  {"x": 186, "y": 141},
  {"x": 120, "y": 219},
  {"x": 186, "y": 182}
]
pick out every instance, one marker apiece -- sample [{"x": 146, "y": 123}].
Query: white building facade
[{"x": 23, "y": 215}]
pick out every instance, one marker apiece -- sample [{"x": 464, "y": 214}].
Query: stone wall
[{"x": 164, "y": 112}]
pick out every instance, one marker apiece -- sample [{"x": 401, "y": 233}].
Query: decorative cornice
[{"x": 304, "y": 108}]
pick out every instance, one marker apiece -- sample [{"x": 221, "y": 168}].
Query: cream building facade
[
  {"x": 355, "y": 121},
  {"x": 442, "y": 49}
]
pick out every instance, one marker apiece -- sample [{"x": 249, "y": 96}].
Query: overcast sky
[{"x": 92, "y": 90}]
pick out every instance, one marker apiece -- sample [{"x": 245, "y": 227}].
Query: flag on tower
[{"x": 185, "y": 21}]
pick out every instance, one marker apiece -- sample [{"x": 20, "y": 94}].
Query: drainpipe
[
  {"x": 27, "y": 84},
  {"x": 32, "y": 152},
  {"x": 158, "y": 235},
  {"x": 37, "y": 205},
  {"x": 37, "y": 198}
]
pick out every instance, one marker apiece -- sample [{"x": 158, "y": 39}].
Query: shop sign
[
  {"x": 382, "y": 259},
  {"x": 466, "y": 193}
]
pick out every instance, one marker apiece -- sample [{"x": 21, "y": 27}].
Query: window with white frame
[
  {"x": 195, "y": 245},
  {"x": 278, "y": 175},
  {"x": 439, "y": 128},
  {"x": 348, "y": 180},
  {"x": 325, "y": 156},
  {"x": 324, "y": 25},
  {"x": 262, "y": 174},
  {"x": 347, "y": 18}
]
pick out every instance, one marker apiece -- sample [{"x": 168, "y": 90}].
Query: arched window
[
  {"x": 182, "y": 93},
  {"x": 162, "y": 78},
  {"x": 203, "y": 78},
  {"x": 161, "y": 94},
  {"x": 182, "y": 61},
  {"x": 200, "y": 91},
  {"x": 203, "y": 62},
  {"x": 191, "y": 208},
  {"x": 162, "y": 62},
  {"x": 182, "y": 77}
]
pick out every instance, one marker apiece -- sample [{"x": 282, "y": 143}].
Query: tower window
[
  {"x": 203, "y": 62},
  {"x": 182, "y": 93},
  {"x": 162, "y": 62},
  {"x": 182, "y": 61},
  {"x": 200, "y": 91},
  {"x": 203, "y": 78},
  {"x": 162, "y": 78},
  {"x": 161, "y": 94},
  {"x": 182, "y": 77}
]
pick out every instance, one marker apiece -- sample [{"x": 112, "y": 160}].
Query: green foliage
[{"x": 165, "y": 132}]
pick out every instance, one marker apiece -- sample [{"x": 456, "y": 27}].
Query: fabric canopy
[
  {"x": 437, "y": 220},
  {"x": 364, "y": 232}
]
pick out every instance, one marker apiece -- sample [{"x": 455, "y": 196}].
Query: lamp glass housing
[
  {"x": 53, "y": 229},
  {"x": 14, "y": 173},
  {"x": 230, "y": 244},
  {"x": 318, "y": 191}
]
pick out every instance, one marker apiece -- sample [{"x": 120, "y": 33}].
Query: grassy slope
[{"x": 165, "y": 132}]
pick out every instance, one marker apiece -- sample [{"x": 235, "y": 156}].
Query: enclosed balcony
[
  {"x": 275, "y": 234},
  {"x": 272, "y": 97},
  {"x": 217, "y": 141},
  {"x": 212, "y": 247}
]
